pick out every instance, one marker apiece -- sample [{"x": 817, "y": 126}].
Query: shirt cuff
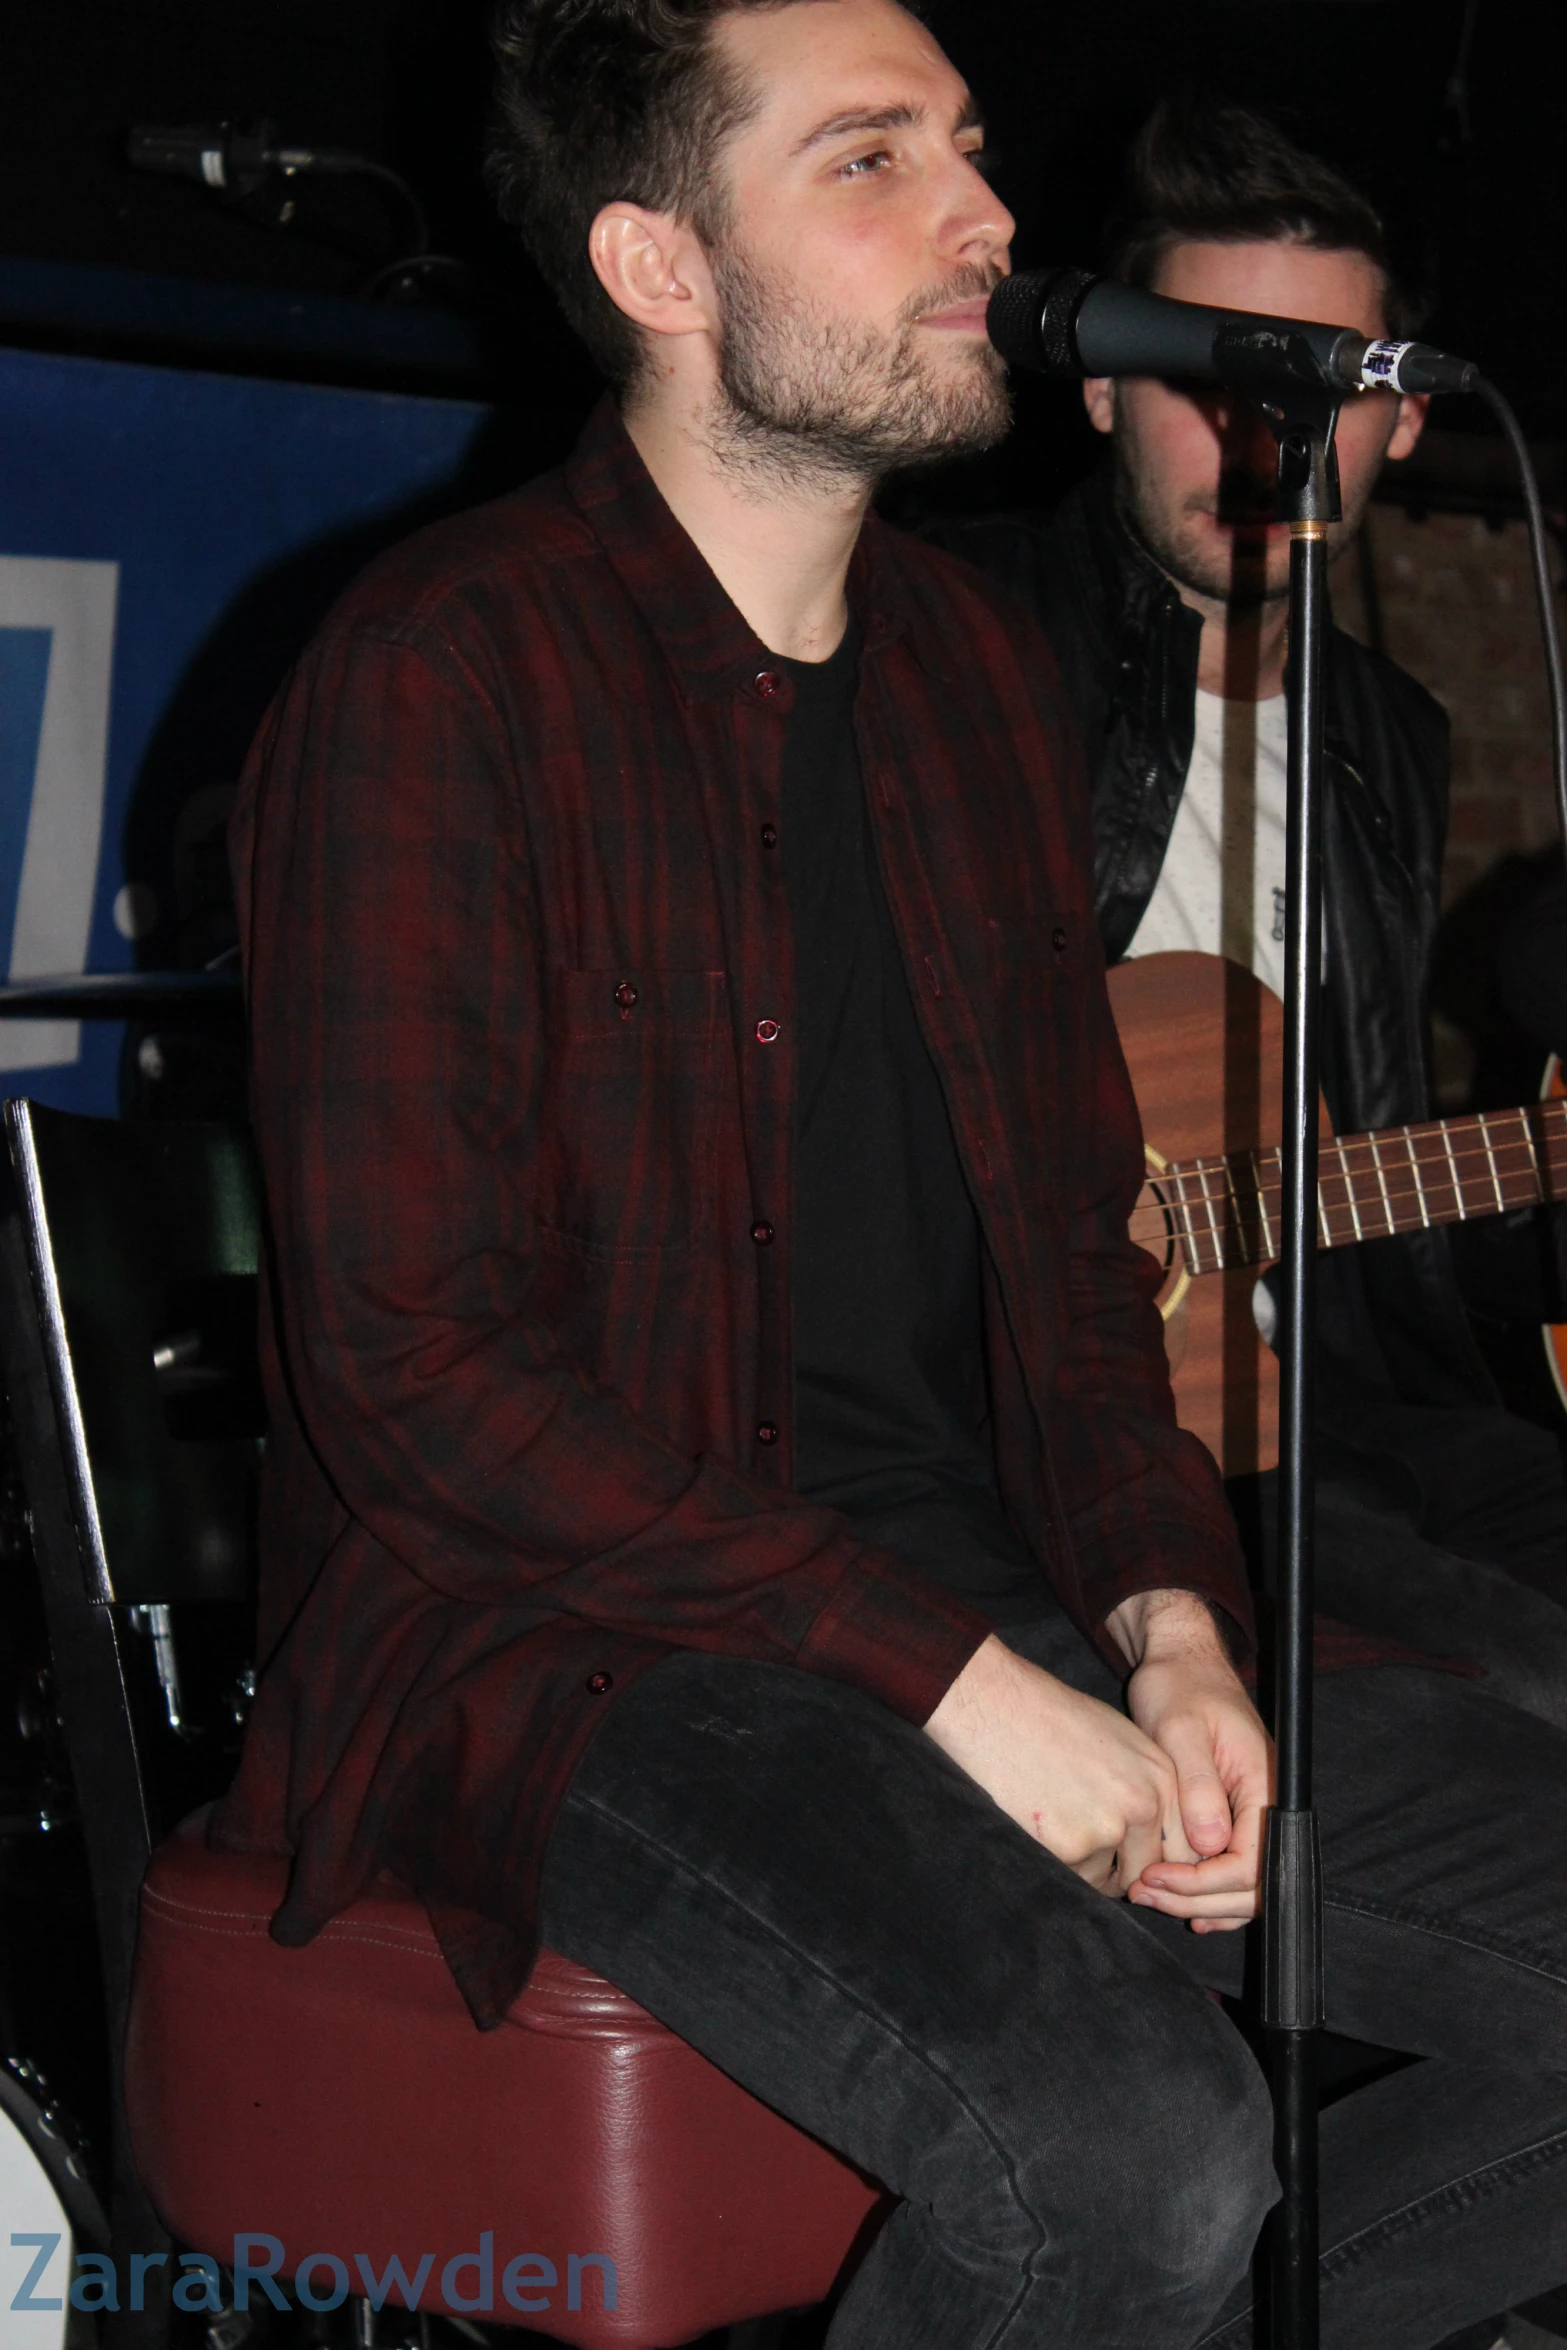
[{"x": 895, "y": 1634}]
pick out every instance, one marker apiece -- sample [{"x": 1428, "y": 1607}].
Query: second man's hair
[{"x": 1200, "y": 172}]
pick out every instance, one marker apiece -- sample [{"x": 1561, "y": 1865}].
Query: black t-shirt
[{"x": 890, "y": 1394}]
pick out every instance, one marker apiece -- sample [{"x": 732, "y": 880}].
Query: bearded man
[
  {"x": 724, "y": 1505},
  {"x": 1163, "y": 585}
]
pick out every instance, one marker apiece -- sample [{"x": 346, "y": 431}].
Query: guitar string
[
  {"x": 1418, "y": 1166},
  {"x": 1395, "y": 1194},
  {"x": 1154, "y": 1220},
  {"x": 1407, "y": 1208}
]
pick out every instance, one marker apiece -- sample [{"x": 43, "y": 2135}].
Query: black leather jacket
[{"x": 1390, "y": 1310}]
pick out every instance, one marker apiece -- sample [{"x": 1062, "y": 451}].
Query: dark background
[{"x": 1448, "y": 112}]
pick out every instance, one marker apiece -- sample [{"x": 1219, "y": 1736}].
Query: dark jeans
[
  {"x": 804, "y": 1888},
  {"x": 1476, "y": 1569}
]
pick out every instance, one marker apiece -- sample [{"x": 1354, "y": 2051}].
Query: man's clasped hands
[{"x": 1162, "y": 1804}]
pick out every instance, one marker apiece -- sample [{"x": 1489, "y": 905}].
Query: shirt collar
[{"x": 704, "y": 637}]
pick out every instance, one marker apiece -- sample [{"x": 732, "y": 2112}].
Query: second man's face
[{"x": 1196, "y": 468}]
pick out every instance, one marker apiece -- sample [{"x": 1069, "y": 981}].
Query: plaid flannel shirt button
[
  {"x": 767, "y": 1431},
  {"x": 625, "y": 995},
  {"x": 599, "y": 1684},
  {"x": 767, "y": 683},
  {"x": 761, "y": 1232},
  {"x": 769, "y": 836},
  {"x": 768, "y": 1032}
]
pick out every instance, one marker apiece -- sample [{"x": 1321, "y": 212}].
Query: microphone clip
[{"x": 1282, "y": 378}]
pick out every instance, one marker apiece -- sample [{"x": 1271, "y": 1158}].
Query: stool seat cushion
[{"x": 340, "y": 2100}]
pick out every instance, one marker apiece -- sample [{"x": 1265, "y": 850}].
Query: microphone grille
[{"x": 1030, "y": 317}]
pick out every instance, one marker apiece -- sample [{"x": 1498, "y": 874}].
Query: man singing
[
  {"x": 724, "y": 1508},
  {"x": 1163, "y": 585}
]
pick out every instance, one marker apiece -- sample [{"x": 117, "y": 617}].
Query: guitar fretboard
[{"x": 1226, "y": 1211}]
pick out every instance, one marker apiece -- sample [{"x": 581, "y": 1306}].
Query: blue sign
[{"x": 168, "y": 541}]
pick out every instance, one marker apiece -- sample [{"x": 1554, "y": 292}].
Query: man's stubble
[
  {"x": 1238, "y": 574},
  {"x": 807, "y": 398}
]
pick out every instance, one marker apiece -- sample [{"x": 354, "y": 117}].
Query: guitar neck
[{"x": 1402, "y": 1179}]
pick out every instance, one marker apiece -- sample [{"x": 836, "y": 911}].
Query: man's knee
[
  {"x": 1204, "y": 2146},
  {"x": 1138, "y": 2151},
  {"x": 1177, "y": 2175}
]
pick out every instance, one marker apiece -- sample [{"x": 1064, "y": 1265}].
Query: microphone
[
  {"x": 1067, "y": 322},
  {"x": 237, "y": 159},
  {"x": 223, "y": 155}
]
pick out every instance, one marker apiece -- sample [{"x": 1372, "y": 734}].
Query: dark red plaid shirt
[{"x": 519, "y": 964}]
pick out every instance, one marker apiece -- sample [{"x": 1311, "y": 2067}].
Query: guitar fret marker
[
  {"x": 1349, "y": 1186},
  {"x": 1496, "y": 1181},
  {"x": 1234, "y": 1203},
  {"x": 1376, "y": 1161},
  {"x": 1213, "y": 1222},
  {"x": 1262, "y": 1201},
  {"x": 1178, "y": 1175},
  {"x": 1458, "y": 1189},
  {"x": 1414, "y": 1168}
]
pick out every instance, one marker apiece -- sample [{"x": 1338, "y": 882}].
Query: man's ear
[
  {"x": 1099, "y": 400},
  {"x": 1413, "y": 409},
  {"x": 653, "y": 268}
]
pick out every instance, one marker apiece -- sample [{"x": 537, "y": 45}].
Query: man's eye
[
  {"x": 862, "y": 167},
  {"x": 982, "y": 159}
]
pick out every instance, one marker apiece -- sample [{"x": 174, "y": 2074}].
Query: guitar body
[{"x": 1204, "y": 1043}]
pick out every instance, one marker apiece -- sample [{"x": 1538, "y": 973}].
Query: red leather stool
[{"x": 339, "y": 2099}]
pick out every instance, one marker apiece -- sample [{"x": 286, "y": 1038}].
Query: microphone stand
[{"x": 1302, "y": 410}]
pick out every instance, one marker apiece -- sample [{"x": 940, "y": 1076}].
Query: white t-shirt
[{"x": 1221, "y": 887}]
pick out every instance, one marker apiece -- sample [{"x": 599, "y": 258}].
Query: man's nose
[{"x": 982, "y": 228}]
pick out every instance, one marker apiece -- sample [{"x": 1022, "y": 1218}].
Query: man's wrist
[
  {"x": 1157, "y": 1624},
  {"x": 976, "y": 1688}
]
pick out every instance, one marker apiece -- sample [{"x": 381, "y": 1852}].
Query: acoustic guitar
[{"x": 1204, "y": 1042}]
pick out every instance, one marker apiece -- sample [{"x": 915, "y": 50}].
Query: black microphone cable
[
  {"x": 1539, "y": 551},
  {"x": 236, "y": 161}
]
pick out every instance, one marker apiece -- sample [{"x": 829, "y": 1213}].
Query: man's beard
[
  {"x": 1236, "y": 574},
  {"x": 809, "y": 398}
]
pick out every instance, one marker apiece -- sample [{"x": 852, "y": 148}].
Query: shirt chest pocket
[{"x": 629, "y": 1111}]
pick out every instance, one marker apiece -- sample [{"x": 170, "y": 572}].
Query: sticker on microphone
[{"x": 1380, "y": 364}]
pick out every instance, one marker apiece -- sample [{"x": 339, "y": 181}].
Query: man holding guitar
[{"x": 1442, "y": 1518}]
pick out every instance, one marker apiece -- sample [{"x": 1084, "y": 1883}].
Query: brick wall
[
  {"x": 1450, "y": 597},
  {"x": 1454, "y": 596}
]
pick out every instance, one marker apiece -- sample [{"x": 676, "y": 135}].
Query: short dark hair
[
  {"x": 1227, "y": 174},
  {"x": 606, "y": 99}
]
